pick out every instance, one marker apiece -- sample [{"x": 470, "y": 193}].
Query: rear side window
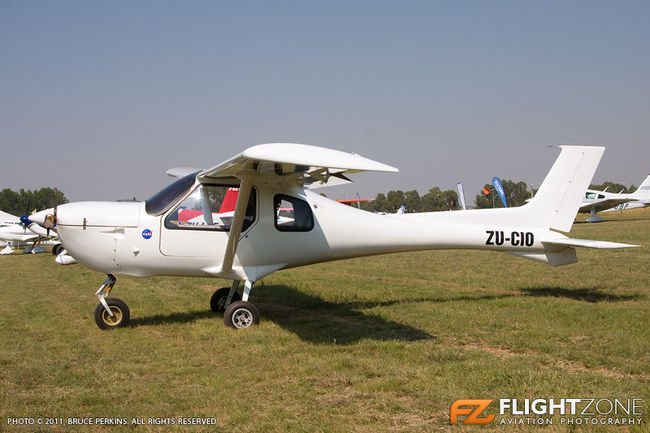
[{"x": 292, "y": 214}]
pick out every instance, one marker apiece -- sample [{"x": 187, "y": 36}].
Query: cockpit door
[{"x": 198, "y": 226}]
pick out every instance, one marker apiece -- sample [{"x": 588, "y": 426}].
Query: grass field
[{"x": 381, "y": 344}]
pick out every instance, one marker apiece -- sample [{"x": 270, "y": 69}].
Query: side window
[
  {"x": 210, "y": 207},
  {"x": 292, "y": 214}
]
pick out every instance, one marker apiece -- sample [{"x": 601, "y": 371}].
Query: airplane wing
[
  {"x": 286, "y": 162},
  {"x": 602, "y": 205},
  {"x": 8, "y": 218},
  {"x": 299, "y": 163}
]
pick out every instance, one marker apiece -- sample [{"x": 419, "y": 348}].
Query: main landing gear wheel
[
  {"x": 120, "y": 312},
  {"x": 56, "y": 249},
  {"x": 218, "y": 299},
  {"x": 241, "y": 314}
]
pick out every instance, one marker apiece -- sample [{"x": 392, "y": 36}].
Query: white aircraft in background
[
  {"x": 143, "y": 238},
  {"x": 14, "y": 230},
  {"x": 49, "y": 235},
  {"x": 597, "y": 201},
  {"x": 8, "y": 225}
]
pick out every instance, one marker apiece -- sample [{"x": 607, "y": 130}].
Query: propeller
[
  {"x": 38, "y": 221},
  {"x": 46, "y": 218},
  {"x": 24, "y": 221}
]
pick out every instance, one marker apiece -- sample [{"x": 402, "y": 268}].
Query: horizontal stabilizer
[{"x": 586, "y": 243}]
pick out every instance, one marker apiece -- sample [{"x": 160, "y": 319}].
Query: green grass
[{"x": 381, "y": 344}]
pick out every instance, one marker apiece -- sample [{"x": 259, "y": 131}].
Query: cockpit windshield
[{"x": 164, "y": 199}]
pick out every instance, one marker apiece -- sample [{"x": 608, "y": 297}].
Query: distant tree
[
  {"x": 376, "y": 205},
  {"x": 394, "y": 200},
  {"x": 412, "y": 201},
  {"x": 516, "y": 195},
  {"x": 368, "y": 206},
  {"x": 25, "y": 201},
  {"x": 612, "y": 187},
  {"x": 8, "y": 200},
  {"x": 437, "y": 199}
]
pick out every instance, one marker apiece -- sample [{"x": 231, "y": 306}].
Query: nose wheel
[
  {"x": 120, "y": 314},
  {"x": 110, "y": 313}
]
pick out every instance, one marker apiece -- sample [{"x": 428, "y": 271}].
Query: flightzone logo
[
  {"x": 472, "y": 409},
  {"x": 543, "y": 411}
]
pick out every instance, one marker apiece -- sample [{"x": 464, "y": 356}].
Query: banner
[
  {"x": 497, "y": 185},
  {"x": 461, "y": 195}
]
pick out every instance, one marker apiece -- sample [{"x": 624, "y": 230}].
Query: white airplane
[
  {"x": 14, "y": 230},
  {"x": 597, "y": 201},
  {"x": 8, "y": 225},
  {"x": 142, "y": 238}
]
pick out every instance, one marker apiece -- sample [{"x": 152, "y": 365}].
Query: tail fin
[
  {"x": 643, "y": 191},
  {"x": 230, "y": 200},
  {"x": 557, "y": 201}
]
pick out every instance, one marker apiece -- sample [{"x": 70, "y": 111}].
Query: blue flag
[{"x": 497, "y": 185}]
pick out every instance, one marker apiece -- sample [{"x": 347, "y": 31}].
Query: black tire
[
  {"x": 56, "y": 249},
  {"x": 219, "y": 297},
  {"x": 241, "y": 315},
  {"x": 120, "y": 311}
]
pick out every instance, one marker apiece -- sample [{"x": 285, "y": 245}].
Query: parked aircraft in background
[
  {"x": 145, "y": 239},
  {"x": 597, "y": 201},
  {"x": 14, "y": 232}
]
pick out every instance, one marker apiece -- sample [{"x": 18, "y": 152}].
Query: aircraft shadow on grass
[
  {"x": 319, "y": 321},
  {"x": 587, "y": 295},
  {"x": 312, "y": 318},
  {"x": 159, "y": 319}
]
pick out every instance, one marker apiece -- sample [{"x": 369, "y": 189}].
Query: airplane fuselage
[{"x": 122, "y": 238}]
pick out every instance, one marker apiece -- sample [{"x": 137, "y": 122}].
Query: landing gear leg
[
  {"x": 242, "y": 314},
  {"x": 594, "y": 218},
  {"x": 110, "y": 313},
  {"x": 223, "y": 297}
]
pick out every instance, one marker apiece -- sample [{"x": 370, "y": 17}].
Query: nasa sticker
[{"x": 146, "y": 233}]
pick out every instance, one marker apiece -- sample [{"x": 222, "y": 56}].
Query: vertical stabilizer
[
  {"x": 643, "y": 191},
  {"x": 557, "y": 201}
]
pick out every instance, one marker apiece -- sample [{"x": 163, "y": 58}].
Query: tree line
[
  {"x": 23, "y": 202},
  {"x": 613, "y": 187},
  {"x": 436, "y": 199}
]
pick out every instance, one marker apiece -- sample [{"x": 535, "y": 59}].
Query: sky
[{"x": 99, "y": 99}]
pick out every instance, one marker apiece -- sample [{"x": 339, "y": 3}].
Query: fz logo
[{"x": 476, "y": 408}]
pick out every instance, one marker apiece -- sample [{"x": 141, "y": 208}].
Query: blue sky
[{"x": 99, "y": 99}]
